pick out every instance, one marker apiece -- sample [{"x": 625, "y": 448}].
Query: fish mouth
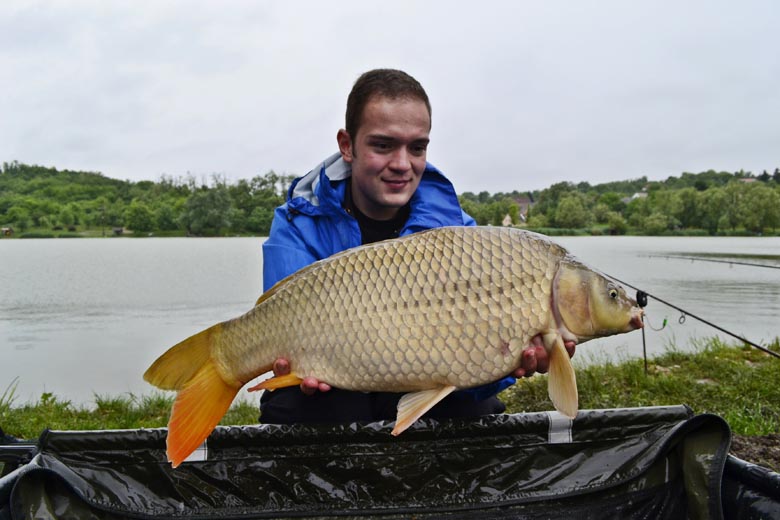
[{"x": 636, "y": 321}]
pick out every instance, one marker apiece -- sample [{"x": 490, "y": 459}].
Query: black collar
[{"x": 372, "y": 230}]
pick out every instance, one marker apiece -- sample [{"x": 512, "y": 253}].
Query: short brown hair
[{"x": 390, "y": 83}]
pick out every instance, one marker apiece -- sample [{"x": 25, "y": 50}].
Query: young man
[{"x": 378, "y": 186}]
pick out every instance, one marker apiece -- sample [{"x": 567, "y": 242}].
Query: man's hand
[
  {"x": 535, "y": 358},
  {"x": 309, "y": 385}
]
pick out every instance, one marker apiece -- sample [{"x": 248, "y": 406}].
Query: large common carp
[{"x": 426, "y": 314}]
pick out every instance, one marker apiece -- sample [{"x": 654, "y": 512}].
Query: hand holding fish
[
  {"x": 309, "y": 385},
  {"x": 535, "y": 357}
]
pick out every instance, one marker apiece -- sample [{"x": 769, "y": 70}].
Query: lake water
[{"x": 80, "y": 317}]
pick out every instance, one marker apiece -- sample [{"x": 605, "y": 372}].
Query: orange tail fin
[
  {"x": 203, "y": 398},
  {"x": 197, "y": 411}
]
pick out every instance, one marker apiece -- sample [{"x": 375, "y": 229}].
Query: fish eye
[{"x": 613, "y": 293}]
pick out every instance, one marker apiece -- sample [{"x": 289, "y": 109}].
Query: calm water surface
[{"x": 85, "y": 317}]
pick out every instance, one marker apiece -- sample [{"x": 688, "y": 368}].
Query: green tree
[
  {"x": 613, "y": 200},
  {"x": 538, "y": 221},
  {"x": 636, "y": 211},
  {"x": 166, "y": 217},
  {"x": 207, "y": 210},
  {"x": 497, "y": 210},
  {"x": 686, "y": 207},
  {"x": 260, "y": 220},
  {"x": 601, "y": 213},
  {"x": 571, "y": 212},
  {"x": 477, "y": 211},
  {"x": 616, "y": 224},
  {"x": 139, "y": 217},
  {"x": 711, "y": 206},
  {"x": 733, "y": 208},
  {"x": 663, "y": 201},
  {"x": 626, "y": 188},
  {"x": 115, "y": 213},
  {"x": 547, "y": 203},
  {"x": 655, "y": 224},
  {"x": 761, "y": 208},
  {"x": 67, "y": 217},
  {"x": 19, "y": 218},
  {"x": 255, "y": 197}
]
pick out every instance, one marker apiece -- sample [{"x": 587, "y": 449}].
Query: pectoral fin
[
  {"x": 562, "y": 382},
  {"x": 412, "y": 406},
  {"x": 277, "y": 382}
]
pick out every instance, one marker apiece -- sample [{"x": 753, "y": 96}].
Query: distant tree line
[
  {"x": 42, "y": 198},
  {"x": 711, "y": 202},
  {"x": 45, "y": 198}
]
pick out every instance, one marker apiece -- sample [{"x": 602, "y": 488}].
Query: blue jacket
[{"x": 313, "y": 225}]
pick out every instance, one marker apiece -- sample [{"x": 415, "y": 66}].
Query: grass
[
  {"x": 740, "y": 384},
  {"x": 27, "y": 421}
]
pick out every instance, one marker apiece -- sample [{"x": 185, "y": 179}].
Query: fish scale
[
  {"x": 424, "y": 314},
  {"x": 463, "y": 306}
]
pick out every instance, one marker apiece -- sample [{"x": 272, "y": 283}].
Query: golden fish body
[
  {"x": 428, "y": 313},
  {"x": 451, "y": 306}
]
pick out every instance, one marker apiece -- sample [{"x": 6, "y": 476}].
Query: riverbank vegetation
[
  {"x": 738, "y": 383},
  {"x": 43, "y": 202}
]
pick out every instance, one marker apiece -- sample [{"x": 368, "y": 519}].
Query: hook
[{"x": 662, "y": 327}]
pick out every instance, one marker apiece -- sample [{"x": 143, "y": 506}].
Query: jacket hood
[
  {"x": 334, "y": 168},
  {"x": 319, "y": 192}
]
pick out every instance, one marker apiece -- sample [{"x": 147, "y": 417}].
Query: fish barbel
[{"x": 429, "y": 313}]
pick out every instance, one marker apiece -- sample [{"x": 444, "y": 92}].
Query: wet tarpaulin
[{"x": 633, "y": 463}]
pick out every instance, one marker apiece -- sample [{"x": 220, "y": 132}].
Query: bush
[
  {"x": 616, "y": 224},
  {"x": 34, "y": 234},
  {"x": 550, "y": 231}
]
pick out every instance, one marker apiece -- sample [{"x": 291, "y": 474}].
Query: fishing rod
[
  {"x": 730, "y": 262},
  {"x": 641, "y": 298}
]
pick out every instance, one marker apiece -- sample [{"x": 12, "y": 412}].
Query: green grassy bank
[{"x": 741, "y": 384}]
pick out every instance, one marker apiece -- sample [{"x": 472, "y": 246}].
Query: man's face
[{"x": 387, "y": 154}]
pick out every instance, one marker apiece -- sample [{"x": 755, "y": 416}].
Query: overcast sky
[{"x": 524, "y": 94}]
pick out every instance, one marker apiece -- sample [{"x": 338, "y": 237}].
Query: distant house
[
  {"x": 6, "y": 231},
  {"x": 748, "y": 180},
  {"x": 524, "y": 203},
  {"x": 638, "y": 195}
]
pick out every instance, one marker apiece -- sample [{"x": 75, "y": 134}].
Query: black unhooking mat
[{"x": 633, "y": 463}]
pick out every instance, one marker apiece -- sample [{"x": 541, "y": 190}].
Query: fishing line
[
  {"x": 641, "y": 296},
  {"x": 641, "y": 299},
  {"x": 730, "y": 262}
]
